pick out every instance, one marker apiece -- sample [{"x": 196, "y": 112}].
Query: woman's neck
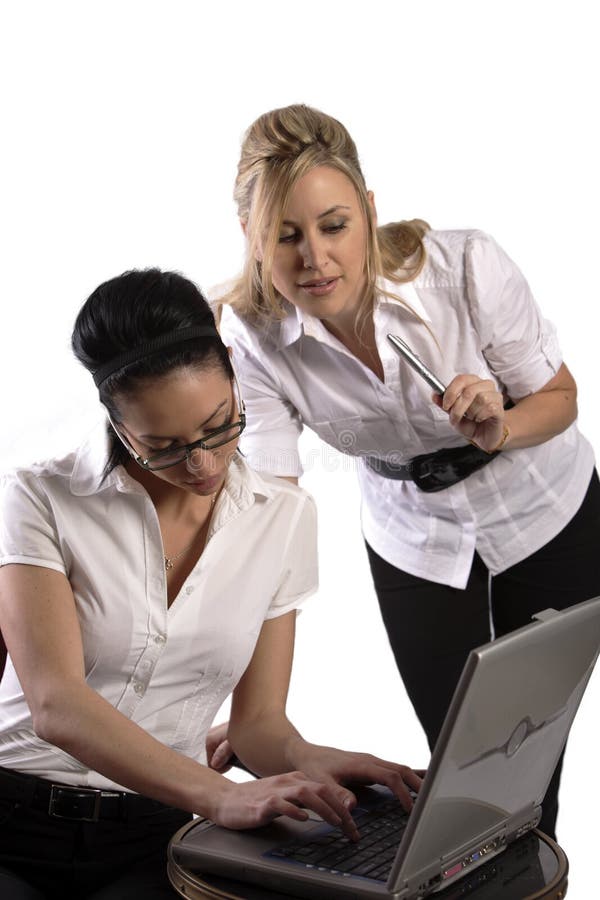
[
  {"x": 359, "y": 340},
  {"x": 168, "y": 499}
]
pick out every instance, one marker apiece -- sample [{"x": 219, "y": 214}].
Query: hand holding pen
[{"x": 475, "y": 407}]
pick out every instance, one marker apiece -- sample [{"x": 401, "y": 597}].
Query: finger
[
  {"x": 221, "y": 756},
  {"x": 462, "y": 408},
  {"x": 471, "y": 398},
  {"x": 414, "y": 779},
  {"x": 349, "y": 799},
  {"x": 274, "y": 806},
  {"x": 324, "y": 802},
  {"x": 456, "y": 388},
  {"x": 397, "y": 777},
  {"x": 486, "y": 405},
  {"x": 217, "y": 734},
  {"x": 397, "y": 783},
  {"x": 283, "y": 807},
  {"x": 344, "y": 794}
]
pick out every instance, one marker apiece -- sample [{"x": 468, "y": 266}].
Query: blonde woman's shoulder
[
  {"x": 445, "y": 253},
  {"x": 217, "y": 295}
]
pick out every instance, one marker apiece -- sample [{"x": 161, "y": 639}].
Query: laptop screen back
[{"x": 501, "y": 740}]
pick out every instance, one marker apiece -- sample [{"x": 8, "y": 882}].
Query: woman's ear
[
  {"x": 257, "y": 252},
  {"x": 371, "y": 199}
]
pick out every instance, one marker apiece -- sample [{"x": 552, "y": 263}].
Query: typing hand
[
  {"x": 337, "y": 768},
  {"x": 255, "y": 803}
]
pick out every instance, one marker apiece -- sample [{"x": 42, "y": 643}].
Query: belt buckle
[{"x": 92, "y": 794}]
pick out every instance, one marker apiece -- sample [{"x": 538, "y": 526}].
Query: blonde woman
[{"x": 479, "y": 507}]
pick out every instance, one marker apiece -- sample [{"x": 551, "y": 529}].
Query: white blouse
[
  {"x": 168, "y": 669},
  {"x": 479, "y": 307}
]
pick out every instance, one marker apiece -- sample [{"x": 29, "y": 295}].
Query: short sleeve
[
  {"x": 520, "y": 346},
  {"x": 273, "y": 425},
  {"x": 299, "y": 571},
  {"x": 27, "y": 529}
]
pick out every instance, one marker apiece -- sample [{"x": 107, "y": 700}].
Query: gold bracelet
[
  {"x": 505, "y": 435},
  {"x": 503, "y": 440}
]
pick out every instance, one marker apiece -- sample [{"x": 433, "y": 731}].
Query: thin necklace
[{"x": 170, "y": 560}]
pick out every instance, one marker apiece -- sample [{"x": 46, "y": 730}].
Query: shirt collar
[
  {"x": 298, "y": 323},
  {"x": 404, "y": 292},
  {"x": 242, "y": 483},
  {"x": 241, "y": 489},
  {"x": 90, "y": 462}
]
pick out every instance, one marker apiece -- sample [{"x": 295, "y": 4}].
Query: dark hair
[{"x": 124, "y": 313}]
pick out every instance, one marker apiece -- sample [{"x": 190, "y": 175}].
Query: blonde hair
[{"x": 277, "y": 150}]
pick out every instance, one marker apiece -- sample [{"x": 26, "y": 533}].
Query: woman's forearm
[
  {"x": 271, "y": 745},
  {"x": 82, "y": 723},
  {"x": 265, "y": 744},
  {"x": 542, "y": 415}
]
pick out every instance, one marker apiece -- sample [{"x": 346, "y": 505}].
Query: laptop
[{"x": 502, "y": 737}]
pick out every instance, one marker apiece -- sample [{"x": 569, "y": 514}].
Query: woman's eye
[
  {"x": 287, "y": 238},
  {"x": 333, "y": 229},
  {"x": 226, "y": 421}
]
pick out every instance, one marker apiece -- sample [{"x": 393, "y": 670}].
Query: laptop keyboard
[{"x": 372, "y": 857}]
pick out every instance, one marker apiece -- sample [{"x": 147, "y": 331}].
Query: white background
[{"x": 121, "y": 127}]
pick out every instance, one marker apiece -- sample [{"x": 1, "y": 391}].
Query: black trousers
[
  {"x": 432, "y": 627},
  {"x": 45, "y": 858}
]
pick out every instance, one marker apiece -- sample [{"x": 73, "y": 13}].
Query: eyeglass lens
[{"x": 178, "y": 454}]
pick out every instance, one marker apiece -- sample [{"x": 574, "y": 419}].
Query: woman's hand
[
  {"x": 218, "y": 748},
  {"x": 255, "y": 803},
  {"x": 336, "y": 768},
  {"x": 476, "y": 410}
]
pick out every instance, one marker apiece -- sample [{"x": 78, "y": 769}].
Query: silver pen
[{"x": 402, "y": 348}]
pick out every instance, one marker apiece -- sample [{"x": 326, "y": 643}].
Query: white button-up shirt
[
  {"x": 479, "y": 308},
  {"x": 168, "y": 669}
]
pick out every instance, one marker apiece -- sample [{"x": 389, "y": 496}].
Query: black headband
[{"x": 172, "y": 340}]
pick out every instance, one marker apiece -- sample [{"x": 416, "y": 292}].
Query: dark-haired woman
[{"x": 145, "y": 577}]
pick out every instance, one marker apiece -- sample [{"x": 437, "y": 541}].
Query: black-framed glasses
[{"x": 172, "y": 456}]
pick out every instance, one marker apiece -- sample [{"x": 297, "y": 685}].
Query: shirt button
[
  {"x": 159, "y": 639},
  {"x": 139, "y": 688},
  {"x": 189, "y": 589}
]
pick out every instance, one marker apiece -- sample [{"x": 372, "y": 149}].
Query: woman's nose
[
  {"x": 314, "y": 253},
  {"x": 199, "y": 461}
]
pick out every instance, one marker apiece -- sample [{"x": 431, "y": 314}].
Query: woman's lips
[
  {"x": 206, "y": 484},
  {"x": 320, "y": 287}
]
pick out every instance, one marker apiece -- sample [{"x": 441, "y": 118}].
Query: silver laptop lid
[{"x": 501, "y": 740}]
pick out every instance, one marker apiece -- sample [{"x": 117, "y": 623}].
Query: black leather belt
[
  {"x": 434, "y": 471},
  {"x": 64, "y": 801}
]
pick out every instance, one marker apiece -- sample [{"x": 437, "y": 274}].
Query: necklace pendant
[{"x": 168, "y": 564}]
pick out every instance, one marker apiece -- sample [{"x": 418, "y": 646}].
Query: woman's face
[
  {"x": 179, "y": 409},
  {"x": 319, "y": 262}
]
